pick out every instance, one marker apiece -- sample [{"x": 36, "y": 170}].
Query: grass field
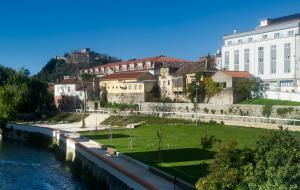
[
  {"x": 262, "y": 101},
  {"x": 181, "y": 155}
]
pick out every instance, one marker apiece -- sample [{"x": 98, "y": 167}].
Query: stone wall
[
  {"x": 233, "y": 109},
  {"x": 126, "y": 97}
]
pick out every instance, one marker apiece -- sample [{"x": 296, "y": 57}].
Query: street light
[{"x": 84, "y": 104}]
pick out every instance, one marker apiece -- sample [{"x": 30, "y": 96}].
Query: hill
[{"x": 70, "y": 64}]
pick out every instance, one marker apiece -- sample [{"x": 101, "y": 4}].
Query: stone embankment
[{"x": 108, "y": 167}]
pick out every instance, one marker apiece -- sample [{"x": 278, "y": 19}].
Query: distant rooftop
[
  {"x": 267, "y": 25},
  {"x": 288, "y": 18}
]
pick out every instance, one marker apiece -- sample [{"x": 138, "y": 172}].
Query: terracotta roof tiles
[{"x": 238, "y": 74}]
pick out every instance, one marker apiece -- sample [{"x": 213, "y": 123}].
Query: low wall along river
[{"x": 83, "y": 163}]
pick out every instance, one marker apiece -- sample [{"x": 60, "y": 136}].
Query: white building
[
  {"x": 68, "y": 94},
  {"x": 270, "y": 52}
]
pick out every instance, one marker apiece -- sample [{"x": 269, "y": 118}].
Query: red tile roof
[
  {"x": 238, "y": 74},
  {"x": 161, "y": 58},
  {"x": 125, "y": 75}
]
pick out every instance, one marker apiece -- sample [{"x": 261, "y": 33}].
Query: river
[{"x": 23, "y": 167}]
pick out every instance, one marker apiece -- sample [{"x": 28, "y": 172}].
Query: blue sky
[{"x": 33, "y": 31}]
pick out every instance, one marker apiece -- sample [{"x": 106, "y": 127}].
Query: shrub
[
  {"x": 221, "y": 111},
  {"x": 230, "y": 110},
  {"x": 284, "y": 111},
  {"x": 213, "y": 111},
  {"x": 222, "y": 122},
  {"x": 267, "y": 110},
  {"x": 206, "y": 110}
]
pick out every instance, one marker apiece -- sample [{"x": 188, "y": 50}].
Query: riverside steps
[{"x": 129, "y": 173}]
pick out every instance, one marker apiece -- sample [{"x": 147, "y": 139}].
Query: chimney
[{"x": 264, "y": 22}]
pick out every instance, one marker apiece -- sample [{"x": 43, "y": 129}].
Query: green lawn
[
  {"x": 181, "y": 154},
  {"x": 262, "y": 101}
]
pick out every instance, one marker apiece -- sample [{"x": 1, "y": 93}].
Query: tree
[
  {"x": 159, "y": 136},
  {"x": 225, "y": 171},
  {"x": 211, "y": 88},
  {"x": 10, "y": 98},
  {"x": 245, "y": 87},
  {"x": 277, "y": 163},
  {"x": 203, "y": 87},
  {"x": 274, "y": 163},
  {"x": 207, "y": 143}
]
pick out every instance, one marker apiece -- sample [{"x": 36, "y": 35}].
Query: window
[
  {"x": 276, "y": 35},
  {"x": 129, "y": 87},
  {"x": 240, "y": 41},
  {"x": 287, "y": 58},
  {"x": 229, "y": 43},
  {"x": 246, "y": 59},
  {"x": 124, "y": 68},
  {"x": 148, "y": 65},
  {"x": 260, "y": 60},
  {"x": 236, "y": 60},
  {"x": 131, "y": 67},
  {"x": 250, "y": 40},
  {"x": 169, "y": 82},
  {"x": 226, "y": 60},
  {"x": 291, "y": 33},
  {"x": 286, "y": 83},
  {"x": 273, "y": 55},
  {"x": 135, "y": 87},
  {"x": 69, "y": 90},
  {"x": 264, "y": 36},
  {"x": 117, "y": 69},
  {"x": 140, "y": 87},
  {"x": 140, "y": 66}
]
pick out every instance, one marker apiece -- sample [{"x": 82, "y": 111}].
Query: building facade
[
  {"x": 227, "y": 80},
  {"x": 131, "y": 87},
  {"x": 270, "y": 52},
  {"x": 69, "y": 94},
  {"x": 152, "y": 65}
]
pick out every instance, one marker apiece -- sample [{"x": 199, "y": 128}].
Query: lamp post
[{"x": 84, "y": 104}]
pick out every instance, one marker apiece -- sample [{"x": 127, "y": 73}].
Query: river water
[{"x": 29, "y": 168}]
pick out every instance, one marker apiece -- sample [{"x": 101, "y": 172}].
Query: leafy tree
[
  {"x": 211, "y": 88},
  {"x": 277, "y": 163},
  {"x": 207, "y": 143},
  {"x": 273, "y": 164},
  {"x": 10, "y": 98},
  {"x": 203, "y": 87},
  {"x": 245, "y": 87}
]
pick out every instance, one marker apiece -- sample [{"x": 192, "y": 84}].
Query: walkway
[{"x": 92, "y": 122}]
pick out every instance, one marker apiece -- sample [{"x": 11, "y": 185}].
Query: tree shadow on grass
[
  {"x": 175, "y": 155},
  {"x": 189, "y": 173},
  {"x": 105, "y": 136}
]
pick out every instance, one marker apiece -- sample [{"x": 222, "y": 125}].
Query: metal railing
[{"x": 194, "y": 116}]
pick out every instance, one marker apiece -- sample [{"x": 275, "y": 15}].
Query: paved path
[{"x": 92, "y": 122}]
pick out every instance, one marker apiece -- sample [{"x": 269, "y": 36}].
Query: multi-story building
[
  {"x": 151, "y": 64},
  {"x": 130, "y": 87},
  {"x": 174, "y": 80},
  {"x": 69, "y": 94},
  {"x": 270, "y": 52}
]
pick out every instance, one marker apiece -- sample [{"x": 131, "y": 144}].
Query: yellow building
[{"x": 129, "y": 87}]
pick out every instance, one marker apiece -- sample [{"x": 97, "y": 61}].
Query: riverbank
[{"x": 123, "y": 174}]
